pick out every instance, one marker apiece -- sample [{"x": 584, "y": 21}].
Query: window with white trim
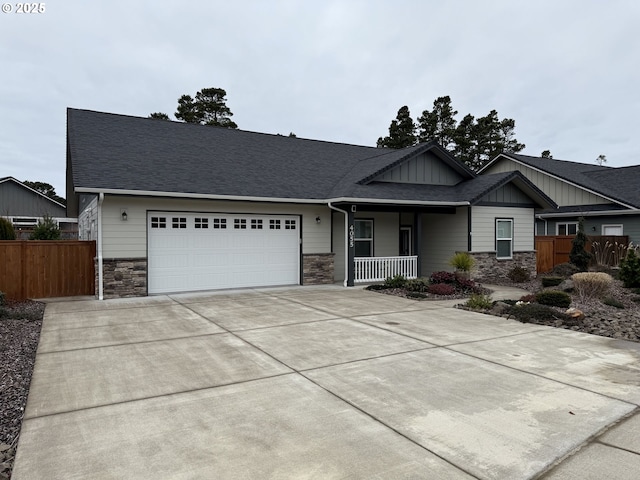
[
  {"x": 240, "y": 223},
  {"x": 612, "y": 230},
  {"x": 504, "y": 238},
  {"x": 567, "y": 228},
  {"x": 201, "y": 223},
  {"x": 274, "y": 224},
  {"x": 220, "y": 223},
  {"x": 289, "y": 224},
  {"x": 179, "y": 222},
  {"x": 364, "y": 238},
  {"x": 256, "y": 224}
]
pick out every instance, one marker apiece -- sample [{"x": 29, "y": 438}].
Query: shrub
[
  {"x": 554, "y": 298},
  {"x": 630, "y": 270},
  {"x": 397, "y": 281},
  {"x": 612, "y": 302},
  {"x": 441, "y": 289},
  {"x": 528, "y": 298},
  {"x": 377, "y": 286},
  {"x": 589, "y": 285},
  {"x": 519, "y": 274},
  {"x": 418, "y": 295},
  {"x": 564, "y": 270},
  {"x": 47, "y": 229},
  {"x": 479, "y": 301},
  {"x": 551, "y": 281},
  {"x": 442, "y": 277},
  {"x": 463, "y": 262},
  {"x": 7, "y": 231},
  {"x": 534, "y": 313},
  {"x": 417, "y": 285},
  {"x": 578, "y": 255}
]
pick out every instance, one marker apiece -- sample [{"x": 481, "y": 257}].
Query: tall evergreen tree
[
  {"x": 402, "y": 131},
  {"x": 439, "y": 124},
  {"x": 208, "y": 108},
  {"x": 546, "y": 154},
  {"x": 159, "y": 116}
]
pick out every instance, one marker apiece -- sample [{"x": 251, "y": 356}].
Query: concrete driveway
[{"x": 323, "y": 382}]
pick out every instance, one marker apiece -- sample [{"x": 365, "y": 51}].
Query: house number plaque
[{"x": 351, "y": 236}]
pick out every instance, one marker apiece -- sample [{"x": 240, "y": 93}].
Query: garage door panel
[{"x": 213, "y": 251}]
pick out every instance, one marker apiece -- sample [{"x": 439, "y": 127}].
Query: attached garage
[{"x": 190, "y": 251}]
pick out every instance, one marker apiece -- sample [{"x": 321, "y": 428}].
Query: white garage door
[{"x": 205, "y": 251}]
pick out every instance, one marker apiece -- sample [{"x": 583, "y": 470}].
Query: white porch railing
[{"x": 377, "y": 269}]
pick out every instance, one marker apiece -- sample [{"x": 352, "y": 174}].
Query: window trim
[
  {"x": 617, "y": 225},
  {"x": 566, "y": 224},
  {"x": 510, "y": 240},
  {"x": 370, "y": 240}
]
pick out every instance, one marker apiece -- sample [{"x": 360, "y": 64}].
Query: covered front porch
[{"x": 372, "y": 242}]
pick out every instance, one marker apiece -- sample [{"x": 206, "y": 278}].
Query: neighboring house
[
  {"x": 24, "y": 206},
  {"x": 608, "y": 198},
  {"x": 177, "y": 207}
]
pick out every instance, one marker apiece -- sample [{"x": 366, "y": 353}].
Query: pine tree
[
  {"x": 402, "y": 131},
  {"x": 579, "y": 255}
]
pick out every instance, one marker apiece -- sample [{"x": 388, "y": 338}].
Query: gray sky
[{"x": 567, "y": 71}]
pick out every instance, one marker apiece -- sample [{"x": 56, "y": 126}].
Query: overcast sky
[{"x": 567, "y": 71}]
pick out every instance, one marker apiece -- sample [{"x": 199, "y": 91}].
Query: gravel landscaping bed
[{"x": 20, "y": 325}]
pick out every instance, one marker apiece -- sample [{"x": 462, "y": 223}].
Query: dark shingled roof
[
  {"x": 619, "y": 184},
  {"x": 118, "y": 152}
]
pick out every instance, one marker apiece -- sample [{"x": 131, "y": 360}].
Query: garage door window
[
  {"x": 219, "y": 223},
  {"x": 201, "y": 222},
  {"x": 256, "y": 224},
  {"x": 290, "y": 224},
  {"x": 158, "y": 222},
  {"x": 179, "y": 222},
  {"x": 240, "y": 223},
  {"x": 274, "y": 224}
]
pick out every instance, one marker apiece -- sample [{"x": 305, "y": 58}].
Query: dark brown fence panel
[
  {"x": 41, "y": 269},
  {"x": 552, "y": 250}
]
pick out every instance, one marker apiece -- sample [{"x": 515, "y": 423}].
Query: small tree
[
  {"x": 7, "y": 231},
  {"x": 630, "y": 270},
  {"x": 47, "y": 229},
  {"x": 579, "y": 255}
]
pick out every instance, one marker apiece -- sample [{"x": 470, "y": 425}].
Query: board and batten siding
[
  {"x": 559, "y": 191},
  {"x": 19, "y": 201},
  {"x": 442, "y": 236},
  {"x": 483, "y": 228},
  {"x": 425, "y": 169},
  {"x": 128, "y": 239}
]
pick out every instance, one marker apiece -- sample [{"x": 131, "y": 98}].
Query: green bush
[
  {"x": 417, "y": 295},
  {"x": 578, "y": 255},
  {"x": 528, "y": 298},
  {"x": 478, "y": 301},
  {"x": 7, "y": 231},
  {"x": 554, "y": 298},
  {"x": 588, "y": 285},
  {"x": 462, "y": 261},
  {"x": 417, "y": 284},
  {"x": 612, "y": 302},
  {"x": 551, "y": 281},
  {"x": 518, "y": 274},
  {"x": 535, "y": 313},
  {"x": 377, "y": 286},
  {"x": 47, "y": 229},
  {"x": 630, "y": 270},
  {"x": 397, "y": 281}
]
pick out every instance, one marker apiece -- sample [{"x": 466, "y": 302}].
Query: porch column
[
  {"x": 351, "y": 245},
  {"x": 417, "y": 240}
]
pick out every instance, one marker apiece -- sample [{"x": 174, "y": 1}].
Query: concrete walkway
[{"x": 323, "y": 382}]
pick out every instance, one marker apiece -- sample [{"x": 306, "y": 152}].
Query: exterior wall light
[
  {"x": 124, "y": 215},
  {"x": 318, "y": 219}
]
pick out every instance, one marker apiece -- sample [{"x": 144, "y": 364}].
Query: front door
[{"x": 406, "y": 241}]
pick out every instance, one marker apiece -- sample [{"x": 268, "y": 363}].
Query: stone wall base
[
  {"x": 123, "y": 277},
  {"x": 317, "y": 268},
  {"x": 489, "y": 267}
]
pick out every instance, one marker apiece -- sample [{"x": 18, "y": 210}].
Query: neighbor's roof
[
  {"x": 109, "y": 152},
  {"x": 619, "y": 184}
]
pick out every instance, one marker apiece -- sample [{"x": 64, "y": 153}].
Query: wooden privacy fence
[
  {"x": 553, "y": 250},
  {"x": 41, "y": 269}
]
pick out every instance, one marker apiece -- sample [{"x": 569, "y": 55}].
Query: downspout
[
  {"x": 100, "y": 267},
  {"x": 346, "y": 241}
]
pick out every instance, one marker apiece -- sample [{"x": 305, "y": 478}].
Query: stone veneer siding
[
  {"x": 317, "y": 268},
  {"x": 488, "y": 267},
  {"x": 123, "y": 277}
]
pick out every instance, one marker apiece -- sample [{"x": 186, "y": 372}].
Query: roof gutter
[
  {"x": 206, "y": 196},
  {"x": 602, "y": 213},
  {"x": 100, "y": 267}
]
